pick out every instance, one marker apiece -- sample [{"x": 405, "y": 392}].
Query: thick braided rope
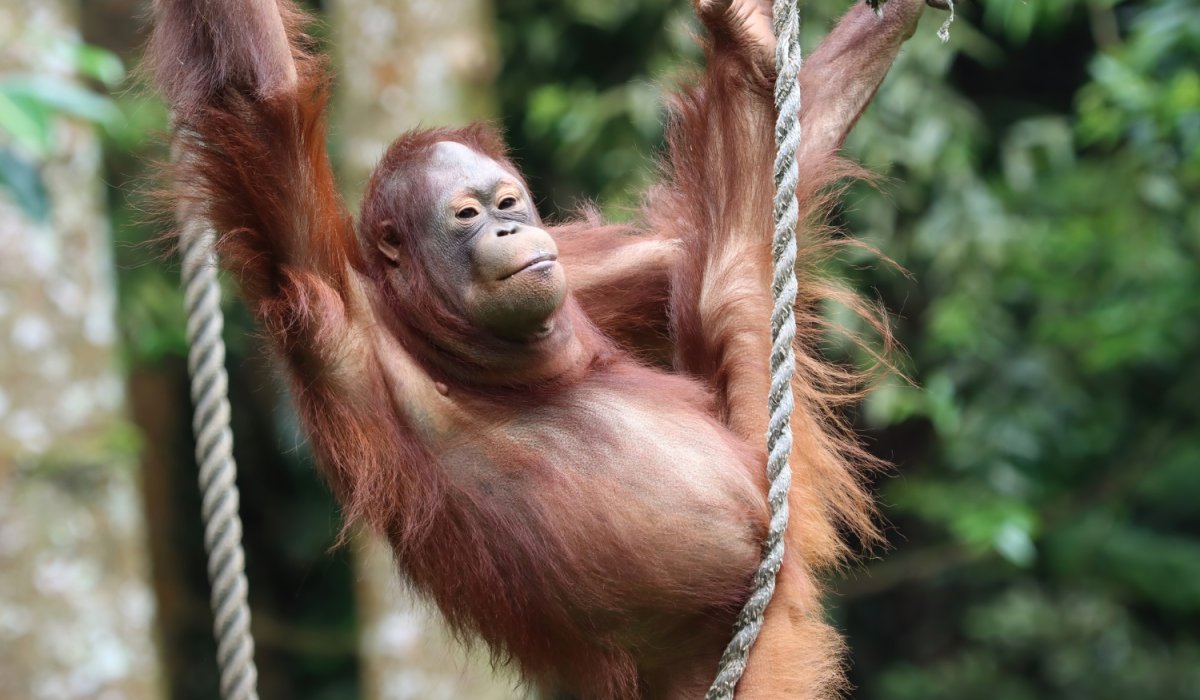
[
  {"x": 783, "y": 356},
  {"x": 214, "y": 453}
]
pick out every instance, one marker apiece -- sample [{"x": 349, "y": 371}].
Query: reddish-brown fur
[{"x": 526, "y": 492}]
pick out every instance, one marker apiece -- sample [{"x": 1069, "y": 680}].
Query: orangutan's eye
[
  {"x": 466, "y": 213},
  {"x": 508, "y": 202}
]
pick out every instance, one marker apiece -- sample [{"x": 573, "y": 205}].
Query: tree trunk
[
  {"x": 401, "y": 65},
  {"x": 76, "y": 614}
]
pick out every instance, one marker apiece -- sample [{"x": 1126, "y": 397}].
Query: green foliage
[
  {"x": 30, "y": 104},
  {"x": 1053, "y": 234},
  {"x": 578, "y": 96}
]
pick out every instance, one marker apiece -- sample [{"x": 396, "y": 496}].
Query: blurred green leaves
[
  {"x": 1054, "y": 233},
  {"x": 581, "y": 93},
  {"x": 983, "y": 519},
  {"x": 1018, "y": 19},
  {"x": 30, "y": 105},
  {"x": 1148, "y": 90}
]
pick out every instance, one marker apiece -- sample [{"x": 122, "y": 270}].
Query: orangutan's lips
[{"x": 543, "y": 261}]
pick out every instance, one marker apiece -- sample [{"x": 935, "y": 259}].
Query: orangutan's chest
[{"x": 649, "y": 475}]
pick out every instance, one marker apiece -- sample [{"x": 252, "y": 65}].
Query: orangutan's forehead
[
  {"x": 460, "y": 160},
  {"x": 457, "y": 168}
]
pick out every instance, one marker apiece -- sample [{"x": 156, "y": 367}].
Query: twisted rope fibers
[
  {"x": 786, "y": 21},
  {"x": 788, "y": 60},
  {"x": 214, "y": 453}
]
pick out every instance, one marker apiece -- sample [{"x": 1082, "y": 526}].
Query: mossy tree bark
[{"x": 76, "y": 612}]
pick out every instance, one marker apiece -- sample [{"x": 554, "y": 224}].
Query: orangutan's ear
[{"x": 388, "y": 241}]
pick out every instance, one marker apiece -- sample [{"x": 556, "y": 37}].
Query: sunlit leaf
[
  {"x": 25, "y": 121},
  {"x": 62, "y": 96},
  {"x": 99, "y": 64}
]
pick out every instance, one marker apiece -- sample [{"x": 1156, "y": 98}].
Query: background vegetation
[{"x": 1042, "y": 194}]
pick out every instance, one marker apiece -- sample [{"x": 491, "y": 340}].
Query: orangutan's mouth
[{"x": 539, "y": 263}]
